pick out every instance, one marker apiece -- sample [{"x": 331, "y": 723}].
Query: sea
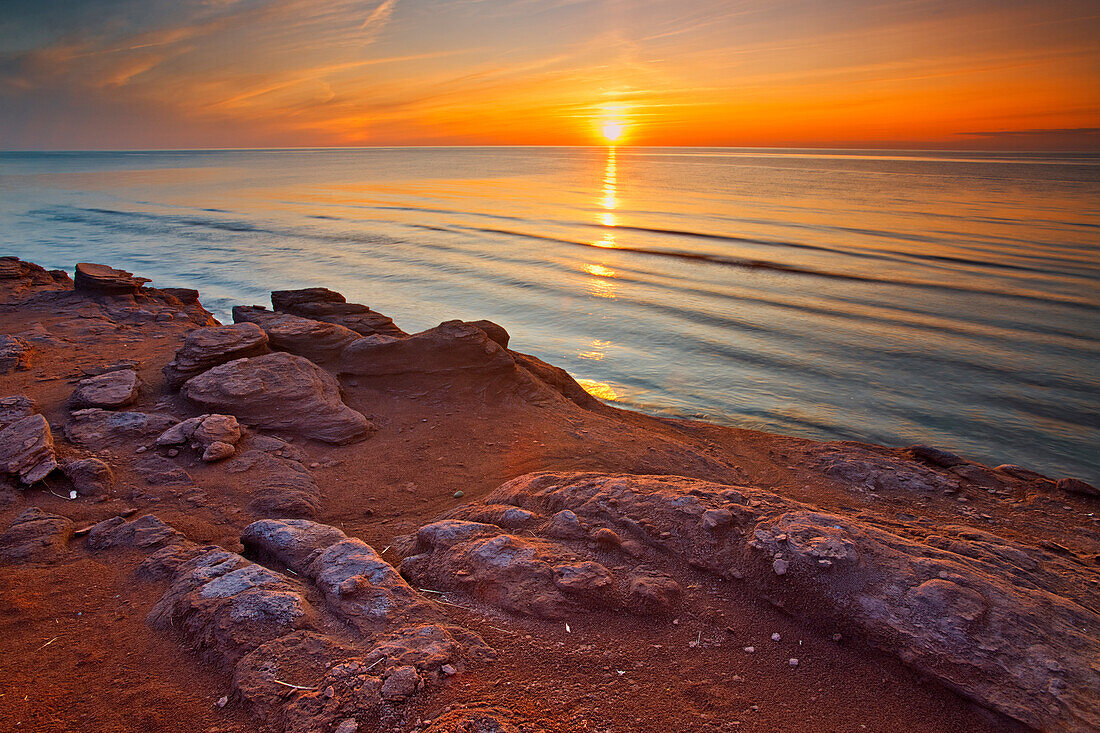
[{"x": 896, "y": 297}]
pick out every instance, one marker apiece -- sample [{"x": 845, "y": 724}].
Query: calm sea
[{"x": 885, "y": 296}]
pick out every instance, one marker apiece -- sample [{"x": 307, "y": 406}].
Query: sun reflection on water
[
  {"x": 596, "y": 351},
  {"x": 600, "y": 390},
  {"x": 602, "y": 286}
]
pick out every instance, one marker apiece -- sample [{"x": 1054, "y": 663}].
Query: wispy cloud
[{"x": 303, "y": 72}]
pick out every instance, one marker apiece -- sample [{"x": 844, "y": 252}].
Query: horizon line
[{"x": 972, "y": 150}]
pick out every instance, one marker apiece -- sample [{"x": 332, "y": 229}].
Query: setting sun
[{"x": 612, "y": 131}]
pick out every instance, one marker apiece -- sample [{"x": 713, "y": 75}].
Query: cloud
[
  {"x": 378, "y": 18},
  {"x": 702, "y": 72}
]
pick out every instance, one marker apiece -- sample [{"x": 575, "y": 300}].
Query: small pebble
[
  {"x": 141, "y": 449},
  {"x": 222, "y": 701},
  {"x": 836, "y": 637},
  {"x": 793, "y": 662},
  {"x": 315, "y": 465},
  {"x": 780, "y": 566},
  {"x": 460, "y": 494},
  {"x": 750, "y": 649},
  {"x": 172, "y": 453},
  {"x": 776, "y": 637},
  {"x": 347, "y": 725},
  {"x": 605, "y": 536},
  {"x": 448, "y": 670}
]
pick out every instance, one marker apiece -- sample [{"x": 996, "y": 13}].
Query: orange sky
[{"x": 257, "y": 73}]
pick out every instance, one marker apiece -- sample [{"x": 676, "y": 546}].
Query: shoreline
[{"x": 426, "y": 449}]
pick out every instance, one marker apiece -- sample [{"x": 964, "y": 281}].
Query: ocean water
[{"x": 885, "y": 296}]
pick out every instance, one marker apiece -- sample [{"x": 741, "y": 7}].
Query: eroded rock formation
[
  {"x": 1011, "y": 626},
  {"x": 279, "y": 391},
  {"x": 205, "y": 348},
  {"x": 260, "y": 625}
]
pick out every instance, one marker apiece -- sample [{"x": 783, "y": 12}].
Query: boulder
[
  {"x": 104, "y": 280},
  {"x": 935, "y": 456},
  {"x": 315, "y": 340},
  {"x": 35, "y": 536},
  {"x": 187, "y": 296},
  {"x": 279, "y": 391},
  {"x": 322, "y": 304},
  {"x": 1008, "y": 625},
  {"x": 26, "y": 449},
  {"x": 111, "y": 390},
  {"x": 89, "y": 476},
  {"x": 147, "y": 532},
  {"x": 15, "y": 408},
  {"x": 15, "y": 354},
  {"x": 203, "y": 431},
  {"x": 205, "y": 348},
  {"x": 280, "y": 487},
  {"x": 1077, "y": 486},
  {"x": 97, "y": 429},
  {"x": 218, "y": 451},
  {"x": 357, "y": 584},
  {"x": 451, "y": 346}
]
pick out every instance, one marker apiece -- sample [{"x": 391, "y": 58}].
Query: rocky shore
[{"x": 312, "y": 520}]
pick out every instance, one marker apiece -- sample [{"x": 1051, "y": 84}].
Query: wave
[
  {"x": 74, "y": 214},
  {"x": 756, "y": 264}
]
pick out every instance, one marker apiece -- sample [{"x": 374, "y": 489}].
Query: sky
[{"x": 139, "y": 74}]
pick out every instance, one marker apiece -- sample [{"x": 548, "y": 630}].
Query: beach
[{"x": 318, "y": 517}]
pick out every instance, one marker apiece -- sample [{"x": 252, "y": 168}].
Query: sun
[{"x": 612, "y": 131}]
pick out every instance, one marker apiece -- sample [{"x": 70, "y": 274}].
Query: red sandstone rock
[
  {"x": 279, "y": 391},
  {"x": 101, "y": 279},
  {"x": 205, "y": 348}
]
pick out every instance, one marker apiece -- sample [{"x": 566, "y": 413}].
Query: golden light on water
[
  {"x": 599, "y": 271},
  {"x": 596, "y": 350},
  {"x": 600, "y": 390},
  {"x": 603, "y": 285}
]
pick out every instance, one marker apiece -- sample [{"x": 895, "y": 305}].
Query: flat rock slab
[
  {"x": 104, "y": 280},
  {"x": 96, "y": 429},
  {"x": 315, "y": 340},
  {"x": 110, "y": 390},
  {"x": 15, "y": 408},
  {"x": 322, "y": 304},
  {"x": 26, "y": 449},
  {"x": 450, "y": 346},
  {"x": 279, "y": 391},
  {"x": 36, "y": 536},
  {"x": 205, "y": 348}
]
